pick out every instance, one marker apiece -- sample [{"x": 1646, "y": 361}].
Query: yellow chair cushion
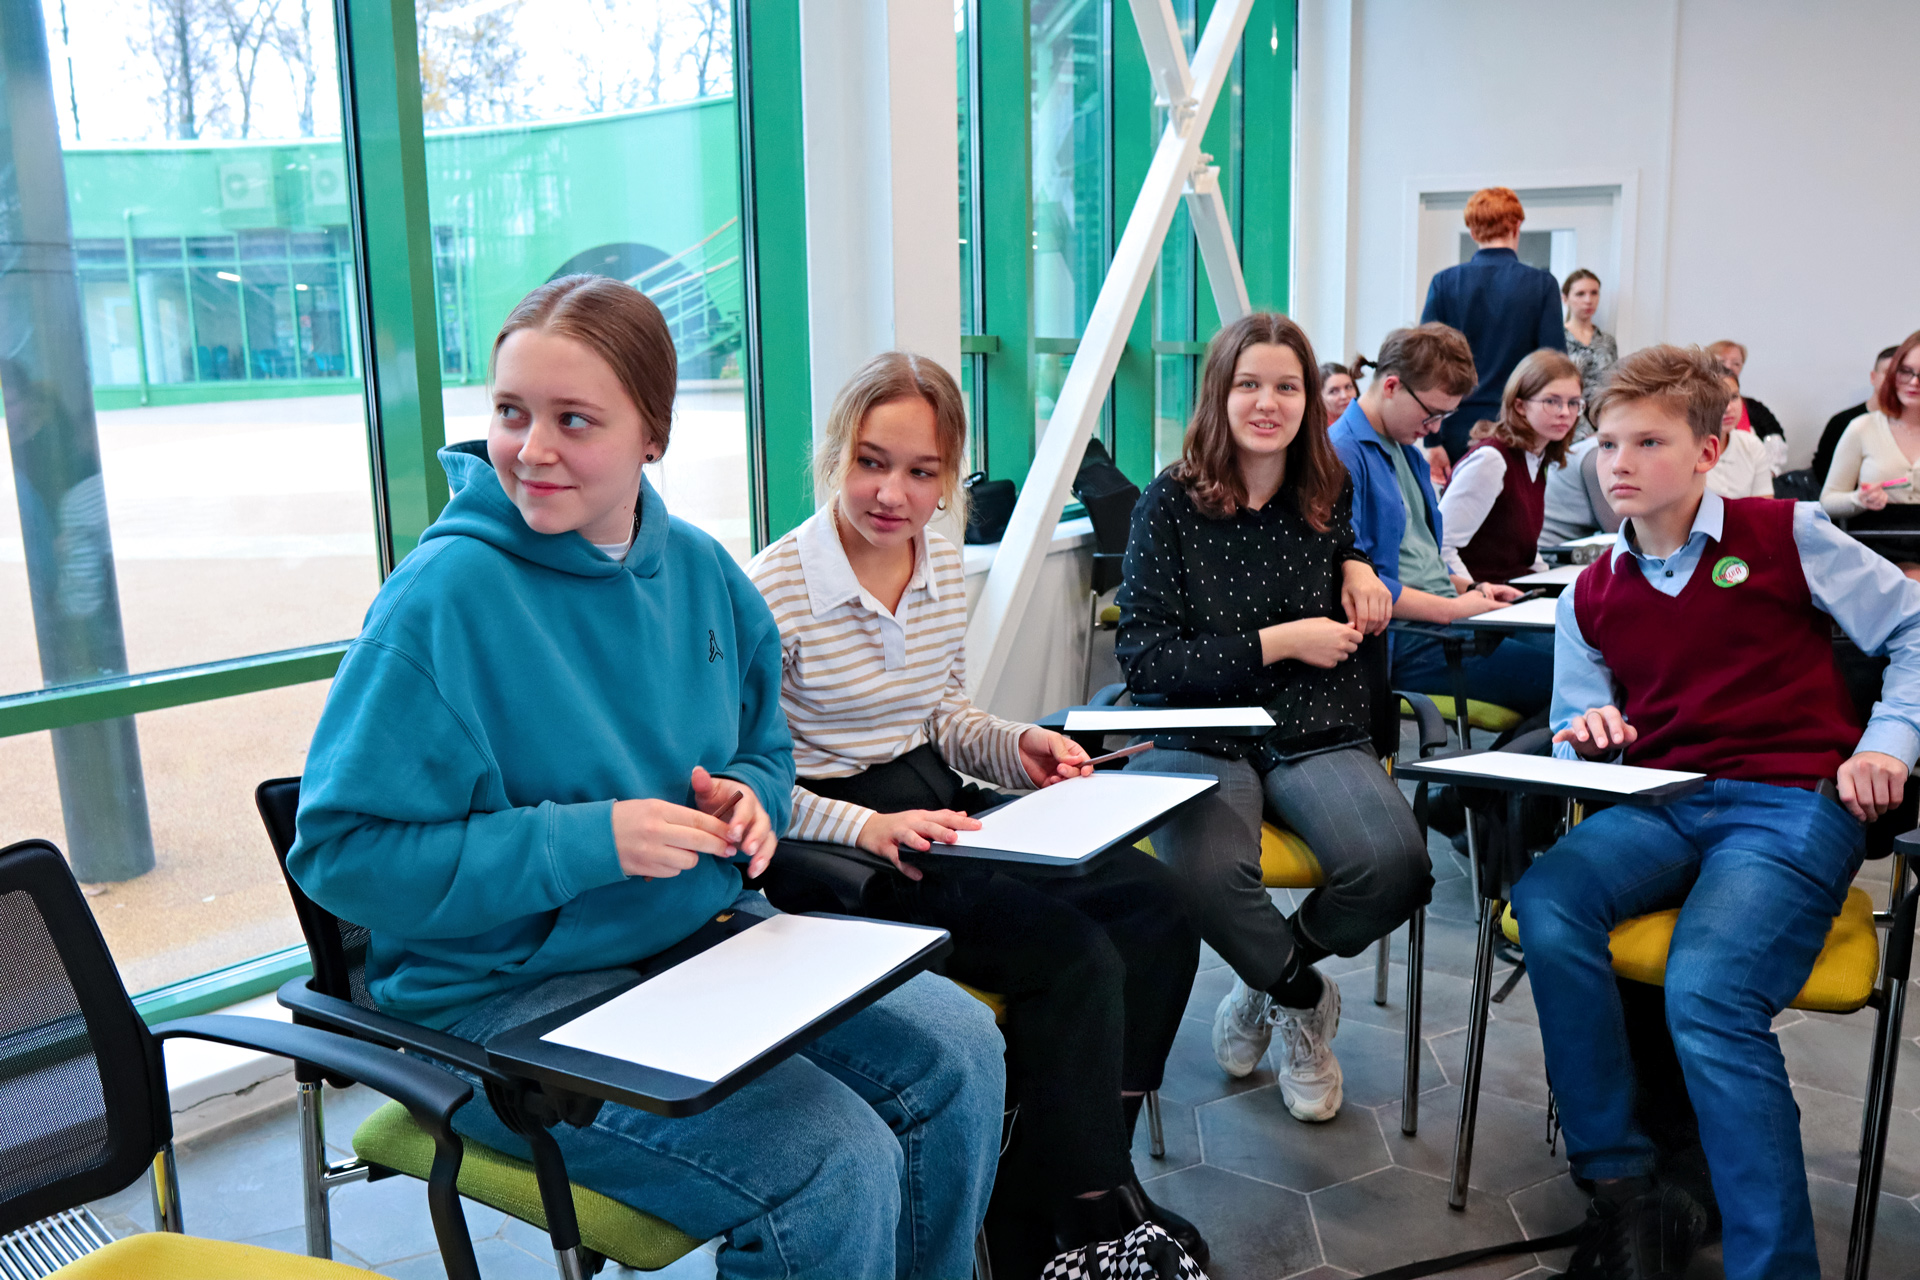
[
  {"x": 1842, "y": 977},
  {"x": 1285, "y": 860},
  {"x": 161, "y": 1255},
  {"x": 1480, "y": 715},
  {"x": 389, "y": 1137},
  {"x": 992, "y": 999}
]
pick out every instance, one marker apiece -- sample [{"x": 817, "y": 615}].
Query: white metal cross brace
[{"x": 1189, "y": 94}]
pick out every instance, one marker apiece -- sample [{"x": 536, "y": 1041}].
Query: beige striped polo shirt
[{"x": 862, "y": 684}]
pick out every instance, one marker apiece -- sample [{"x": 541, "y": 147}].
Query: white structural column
[
  {"x": 1323, "y": 281},
  {"x": 1191, "y": 95},
  {"x": 883, "y": 195}
]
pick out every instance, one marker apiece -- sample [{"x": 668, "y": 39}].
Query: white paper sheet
[
  {"x": 1530, "y": 614},
  {"x": 1622, "y": 779},
  {"x": 1562, "y": 576},
  {"x": 1074, "y": 820},
  {"x": 710, "y": 1015},
  {"x": 1594, "y": 540},
  {"x": 1167, "y": 719}
]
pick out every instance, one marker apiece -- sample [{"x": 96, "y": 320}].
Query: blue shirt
[
  {"x": 1379, "y": 512},
  {"x": 1873, "y": 602},
  {"x": 1508, "y": 310}
]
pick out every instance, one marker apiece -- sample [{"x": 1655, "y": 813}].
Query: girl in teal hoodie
[{"x": 514, "y": 784}]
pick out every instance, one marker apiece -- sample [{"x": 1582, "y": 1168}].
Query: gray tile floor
[{"x": 1276, "y": 1198}]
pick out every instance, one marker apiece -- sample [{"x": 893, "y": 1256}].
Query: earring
[{"x": 649, "y": 457}]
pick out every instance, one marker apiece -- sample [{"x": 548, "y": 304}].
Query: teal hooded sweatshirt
[{"x": 508, "y": 686}]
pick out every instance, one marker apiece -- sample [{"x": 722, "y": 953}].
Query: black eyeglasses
[
  {"x": 1904, "y": 374},
  {"x": 1432, "y": 419}
]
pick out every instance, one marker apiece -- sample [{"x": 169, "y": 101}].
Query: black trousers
[{"x": 1095, "y": 971}]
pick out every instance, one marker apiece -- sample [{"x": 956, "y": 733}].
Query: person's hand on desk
[
  {"x": 1599, "y": 733},
  {"x": 1050, "y": 757},
  {"x": 1871, "y": 784},
  {"x": 1366, "y": 600},
  {"x": 886, "y": 834},
  {"x": 1318, "y": 642},
  {"x": 1480, "y": 597}
]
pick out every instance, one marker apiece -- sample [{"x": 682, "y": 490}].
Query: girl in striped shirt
[{"x": 1095, "y": 970}]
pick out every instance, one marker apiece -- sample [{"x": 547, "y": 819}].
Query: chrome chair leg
[
  {"x": 313, "y": 1169},
  {"x": 166, "y": 1192},
  {"x": 1416, "y": 1046},
  {"x": 1896, "y": 968},
  {"x": 1156, "y": 1136},
  {"x": 1476, "y": 1052},
  {"x": 982, "y": 1265}
]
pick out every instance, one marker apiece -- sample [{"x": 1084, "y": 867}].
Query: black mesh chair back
[
  {"x": 338, "y": 947},
  {"x": 83, "y": 1104},
  {"x": 1109, "y": 498}
]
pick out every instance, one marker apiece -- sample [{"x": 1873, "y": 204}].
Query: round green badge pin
[{"x": 1731, "y": 571}]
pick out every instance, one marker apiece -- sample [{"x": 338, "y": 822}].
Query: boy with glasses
[{"x": 1418, "y": 382}]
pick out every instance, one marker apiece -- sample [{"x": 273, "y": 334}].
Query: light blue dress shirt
[{"x": 1873, "y": 602}]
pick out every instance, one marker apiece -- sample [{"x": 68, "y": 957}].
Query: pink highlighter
[{"x": 1901, "y": 483}]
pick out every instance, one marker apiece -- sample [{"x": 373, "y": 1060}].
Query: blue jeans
[
  {"x": 870, "y": 1153},
  {"x": 1758, "y": 873},
  {"x": 1516, "y": 675}
]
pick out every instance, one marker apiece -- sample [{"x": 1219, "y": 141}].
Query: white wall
[{"x": 1766, "y": 144}]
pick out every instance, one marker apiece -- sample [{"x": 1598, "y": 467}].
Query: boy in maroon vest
[{"x": 1703, "y": 641}]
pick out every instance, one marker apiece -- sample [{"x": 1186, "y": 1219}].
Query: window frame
[{"x": 396, "y": 329}]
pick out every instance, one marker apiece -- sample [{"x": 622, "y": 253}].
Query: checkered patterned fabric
[{"x": 1147, "y": 1253}]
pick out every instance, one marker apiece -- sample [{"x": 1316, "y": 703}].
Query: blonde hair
[
  {"x": 890, "y": 376},
  {"x": 1685, "y": 381}
]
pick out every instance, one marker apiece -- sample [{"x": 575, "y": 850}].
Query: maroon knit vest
[
  {"x": 1509, "y": 538},
  {"x": 1734, "y": 681}
]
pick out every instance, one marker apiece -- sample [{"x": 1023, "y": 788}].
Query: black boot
[
  {"x": 1184, "y": 1233},
  {"x": 1637, "y": 1231}
]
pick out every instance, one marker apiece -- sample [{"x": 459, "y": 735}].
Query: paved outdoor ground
[
  {"x": 244, "y": 528},
  {"x": 1276, "y": 1198}
]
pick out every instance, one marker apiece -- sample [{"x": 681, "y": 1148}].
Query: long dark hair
[{"x": 1209, "y": 466}]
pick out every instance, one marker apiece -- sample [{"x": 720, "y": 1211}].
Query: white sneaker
[
  {"x": 1242, "y": 1028},
  {"x": 1309, "y": 1073}
]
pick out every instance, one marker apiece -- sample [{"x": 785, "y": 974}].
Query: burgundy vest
[
  {"x": 1735, "y": 677},
  {"x": 1509, "y": 538}
]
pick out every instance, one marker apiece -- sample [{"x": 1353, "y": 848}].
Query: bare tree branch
[
  {"x": 711, "y": 53},
  {"x": 293, "y": 41},
  {"x": 249, "y": 26},
  {"x": 469, "y": 67},
  {"x": 180, "y": 39}
]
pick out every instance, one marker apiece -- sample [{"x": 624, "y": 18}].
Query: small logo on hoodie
[{"x": 713, "y": 648}]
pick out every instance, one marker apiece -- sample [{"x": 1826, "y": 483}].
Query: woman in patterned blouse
[
  {"x": 1244, "y": 587},
  {"x": 1592, "y": 351}
]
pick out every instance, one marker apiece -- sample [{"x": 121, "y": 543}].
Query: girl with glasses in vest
[{"x": 1491, "y": 511}]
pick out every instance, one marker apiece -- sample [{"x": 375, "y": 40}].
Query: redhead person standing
[
  {"x": 1491, "y": 512},
  {"x": 1095, "y": 969},
  {"x": 514, "y": 784},
  {"x": 1243, "y": 586}
]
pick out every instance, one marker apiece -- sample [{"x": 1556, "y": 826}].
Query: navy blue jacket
[
  {"x": 1508, "y": 310},
  {"x": 1379, "y": 510}
]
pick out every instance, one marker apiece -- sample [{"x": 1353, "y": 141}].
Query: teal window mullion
[
  {"x": 1266, "y": 188},
  {"x": 773, "y": 241},
  {"x": 1004, "y": 54},
  {"x": 387, "y": 167},
  {"x": 1130, "y": 123}
]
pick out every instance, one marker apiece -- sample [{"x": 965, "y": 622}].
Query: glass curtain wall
[
  {"x": 1072, "y": 186},
  {"x": 187, "y": 476},
  {"x": 577, "y": 136}
]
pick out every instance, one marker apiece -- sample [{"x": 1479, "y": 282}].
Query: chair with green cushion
[
  {"x": 390, "y": 1140},
  {"x": 585, "y": 1226}
]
